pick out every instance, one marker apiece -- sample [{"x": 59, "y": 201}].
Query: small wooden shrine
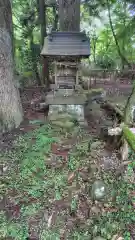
[{"x": 65, "y": 50}]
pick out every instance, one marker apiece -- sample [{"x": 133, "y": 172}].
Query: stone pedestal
[
  {"x": 67, "y": 112},
  {"x": 66, "y": 108}
]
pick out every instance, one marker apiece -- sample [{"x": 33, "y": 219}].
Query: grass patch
[{"x": 33, "y": 187}]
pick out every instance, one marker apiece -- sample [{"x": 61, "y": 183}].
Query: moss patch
[{"x": 129, "y": 136}]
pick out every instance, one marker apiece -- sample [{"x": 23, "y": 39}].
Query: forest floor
[{"x": 48, "y": 195}]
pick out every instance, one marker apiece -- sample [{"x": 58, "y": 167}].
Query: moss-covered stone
[
  {"x": 129, "y": 136},
  {"x": 128, "y": 118},
  {"x": 95, "y": 145},
  {"x": 60, "y": 117},
  {"x": 99, "y": 190},
  {"x": 65, "y": 125}
]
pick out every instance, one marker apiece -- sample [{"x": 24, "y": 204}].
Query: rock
[
  {"x": 97, "y": 95},
  {"x": 84, "y": 175},
  {"x": 83, "y": 123},
  {"x": 95, "y": 145},
  {"x": 99, "y": 190},
  {"x": 104, "y": 133},
  {"x": 43, "y": 105},
  {"x": 107, "y": 163},
  {"x": 93, "y": 168},
  {"x": 95, "y": 210},
  {"x": 94, "y": 155}
]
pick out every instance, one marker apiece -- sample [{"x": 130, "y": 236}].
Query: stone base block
[{"x": 67, "y": 112}]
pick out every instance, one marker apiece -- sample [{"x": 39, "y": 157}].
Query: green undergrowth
[{"x": 34, "y": 186}]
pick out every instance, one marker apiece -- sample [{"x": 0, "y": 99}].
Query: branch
[
  {"x": 114, "y": 109},
  {"x": 129, "y": 139}
]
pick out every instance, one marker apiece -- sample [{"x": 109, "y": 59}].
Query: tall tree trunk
[
  {"x": 34, "y": 60},
  {"x": 123, "y": 58},
  {"x": 42, "y": 17},
  {"x": 10, "y": 107},
  {"x": 13, "y": 39},
  {"x": 56, "y": 18},
  {"x": 44, "y": 61},
  {"x": 69, "y": 15},
  {"x": 128, "y": 118},
  {"x": 124, "y": 26}
]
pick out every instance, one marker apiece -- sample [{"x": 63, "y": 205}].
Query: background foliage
[{"x": 110, "y": 25}]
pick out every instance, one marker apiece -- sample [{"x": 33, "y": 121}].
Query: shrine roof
[{"x": 66, "y": 44}]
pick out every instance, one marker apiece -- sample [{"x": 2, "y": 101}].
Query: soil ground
[
  {"x": 47, "y": 178},
  {"x": 35, "y": 93}
]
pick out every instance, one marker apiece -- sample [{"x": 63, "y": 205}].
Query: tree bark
[
  {"x": 69, "y": 15},
  {"x": 11, "y": 113},
  {"x": 128, "y": 115},
  {"x": 127, "y": 136},
  {"x": 42, "y": 17},
  {"x": 56, "y": 18}
]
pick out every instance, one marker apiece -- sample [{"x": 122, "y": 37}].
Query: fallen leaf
[
  {"x": 51, "y": 219},
  {"x": 110, "y": 210},
  {"x": 71, "y": 177},
  {"x": 132, "y": 193}
]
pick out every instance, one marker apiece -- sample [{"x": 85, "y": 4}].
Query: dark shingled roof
[{"x": 66, "y": 44}]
